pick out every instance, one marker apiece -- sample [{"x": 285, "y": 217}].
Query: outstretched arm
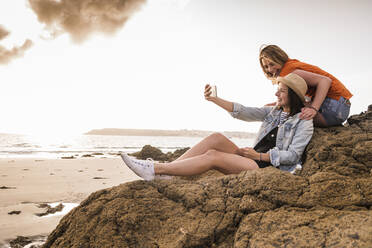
[
  {"x": 237, "y": 110},
  {"x": 228, "y": 106},
  {"x": 270, "y": 104}
]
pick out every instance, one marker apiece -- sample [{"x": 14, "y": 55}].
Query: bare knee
[
  {"x": 212, "y": 155},
  {"x": 217, "y": 138}
]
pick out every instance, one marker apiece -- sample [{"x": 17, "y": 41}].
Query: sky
[{"x": 69, "y": 66}]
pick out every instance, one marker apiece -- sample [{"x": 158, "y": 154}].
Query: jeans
[{"x": 335, "y": 112}]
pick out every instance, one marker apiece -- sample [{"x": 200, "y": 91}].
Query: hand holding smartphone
[
  {"x": 213, "y": 91},
  {"x": 210, "y": 92}
]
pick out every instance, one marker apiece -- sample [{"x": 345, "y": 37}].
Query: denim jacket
[{"x": 292, "y": 138}]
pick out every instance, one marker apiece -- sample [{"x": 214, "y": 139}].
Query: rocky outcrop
[
  {"x": 156, "y": 154},
  {"x": 328, "y": 204},
  {"x": 344, "y": 151}
]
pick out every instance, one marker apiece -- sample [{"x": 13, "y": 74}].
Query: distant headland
[{"x": 158, "y": 132}]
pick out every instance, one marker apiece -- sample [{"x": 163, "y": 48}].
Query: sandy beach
[{"x": 25, "y": 183}]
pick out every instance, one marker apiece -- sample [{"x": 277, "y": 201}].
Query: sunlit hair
[
  {"x": 295, "y": 103},
  {"x": 273, "y": 53}
]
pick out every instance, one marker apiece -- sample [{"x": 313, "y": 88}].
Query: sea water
[{"x": 16, "y": 145}]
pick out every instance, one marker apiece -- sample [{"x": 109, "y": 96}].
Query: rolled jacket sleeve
[
  {"x": 249, "y": 113},
  {"x": 292, "y": 155}
]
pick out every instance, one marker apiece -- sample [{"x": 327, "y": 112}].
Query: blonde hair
[{"x": 273, "y": 53}]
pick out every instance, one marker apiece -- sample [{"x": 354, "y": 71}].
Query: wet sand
[{"x": 27, "y": 182}]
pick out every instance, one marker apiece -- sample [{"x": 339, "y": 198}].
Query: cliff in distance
[
  {"x": 327, "y": 204},
  {"x": 157, "y": 132}
]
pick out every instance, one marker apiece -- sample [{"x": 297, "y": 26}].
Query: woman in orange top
[{"x": 328, "y": 99}]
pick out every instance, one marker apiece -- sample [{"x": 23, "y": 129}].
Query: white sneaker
[
  {"x": 160, "y": 177},
  {"x": 142, "y": 168},
  {"x": 297, "y": 169},
  {"x": 163, "y": 177}
]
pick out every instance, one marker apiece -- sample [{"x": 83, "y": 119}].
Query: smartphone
[{"x": 213, "y": 91}]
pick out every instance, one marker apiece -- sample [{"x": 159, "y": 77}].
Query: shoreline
[
  {"x": 27, "y": 182},
  {"x": 169, "y": 133}
]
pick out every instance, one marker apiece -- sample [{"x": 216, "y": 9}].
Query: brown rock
[
  {"x": 31, "y": 242},
  {"x": 49, "y": 209},
  {"x": 328, "y": 204},
  {"x": 97, "y": 153},
  {"x": 6, "y": 187},
  {"x": 171, "y": 156},
  {"x": 14, "y": 212},
  {"x": 150, "y": 152},
  {"x": 344, "y": 150},
  {"x": 156, "y": 154},
  {"x": 20, "y": 241},
  {"x": 68, "y": 157}
]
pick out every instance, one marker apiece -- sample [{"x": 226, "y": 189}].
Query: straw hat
[{"x": 296, "y": 83}]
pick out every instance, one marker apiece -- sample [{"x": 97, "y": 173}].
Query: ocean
[{"x": 16, "y": 145}]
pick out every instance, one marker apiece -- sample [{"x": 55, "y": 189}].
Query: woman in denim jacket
[{"x": 281, "y": 140}]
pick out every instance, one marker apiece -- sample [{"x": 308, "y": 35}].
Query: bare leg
[
  {"x": 226, "y": 163},
  {"x": 216, "y": 141}
]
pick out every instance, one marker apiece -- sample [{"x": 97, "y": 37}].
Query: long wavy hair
[
  {"x": 273, "y": 53},
  {"x": 295, "y": 103}
]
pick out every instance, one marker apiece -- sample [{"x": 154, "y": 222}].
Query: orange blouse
[{"x": 336, "y": 90}]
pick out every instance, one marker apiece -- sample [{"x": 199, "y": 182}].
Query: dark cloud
[
  {"x": 80, "y": 18},
  {"x": 7, "y": 55}
]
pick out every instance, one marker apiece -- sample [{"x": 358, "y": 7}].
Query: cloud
[
  {"x": 6, "y": 55},
  {"x": 3, "y": 32},
  {"x": 81, "y": 18}
]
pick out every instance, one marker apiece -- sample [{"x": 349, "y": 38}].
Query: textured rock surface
[
  {"x": 327, "y": 205},
  {"x": 155, "y": 153}
]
